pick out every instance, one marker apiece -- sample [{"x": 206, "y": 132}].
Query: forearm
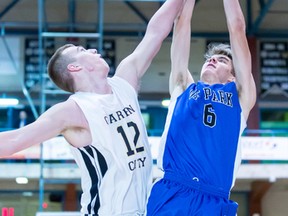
[
  {"x": 135, "y": 65},
  {"x": 239, "y": 44},
  {"x": 241, "y": 54},
  {"x": 180, "y": 48},
  {"x": 162, "y": 21},
  {"x": 37, "y": 132},
  {"x": 234, "y": 16},
  {"x": 9, "y": 143}
]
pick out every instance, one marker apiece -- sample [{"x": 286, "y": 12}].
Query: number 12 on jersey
[{"x": 134, "y": 127}]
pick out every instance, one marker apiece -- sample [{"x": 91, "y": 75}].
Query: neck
[
  {"x": 95, "y": 86},
  {"x": 210, "y": 81}
]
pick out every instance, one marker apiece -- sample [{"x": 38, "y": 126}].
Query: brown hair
[
  {"x": 57, "y": 69},
  {"x": 219, "y": 49}
]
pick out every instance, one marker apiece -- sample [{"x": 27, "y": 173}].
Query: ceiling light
[
  {"x": 27, "y": 194},
  {"x": 22, "y": 180},
  {"x": 165, "y": 102},
  {"x": 9, "y": 101}
]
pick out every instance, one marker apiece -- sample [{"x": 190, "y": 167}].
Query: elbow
[
  {"x": 158, "y": 31},
  {"x": 254, "y": 95},
  {"x": 251, "y": 96},
  {"x": 4, "y": 152},
  {"x": 237, "y": 25}
]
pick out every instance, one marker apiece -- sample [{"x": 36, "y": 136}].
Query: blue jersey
[{"x": 203, "y": 135}]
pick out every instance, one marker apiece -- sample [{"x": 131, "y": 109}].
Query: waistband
[{"x": 196, "y": 184}]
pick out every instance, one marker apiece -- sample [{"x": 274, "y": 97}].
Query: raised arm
[
  {"x": 133, "y": 67},
  {"x": 180, "y": 76},
  {"x": 241, "y": 55}
]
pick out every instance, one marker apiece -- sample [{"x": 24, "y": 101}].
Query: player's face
[
  {"x": 88, "y": 57},
  {"x": 217, "y": 69}
]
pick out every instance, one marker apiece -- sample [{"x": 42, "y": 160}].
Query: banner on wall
[
  {"x": 274, "y": 68},
  {"x": 253, "y": 148},
  {"x": 32, "y": 54},
  {"x": 264, "y": 148},
  {"x": 31, "y": 64},
  {"x": 108, "y": 52}
]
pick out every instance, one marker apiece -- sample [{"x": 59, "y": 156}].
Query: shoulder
[
  {"x": 63, "y": 107},
  {"x": 116, "y": 79},
  {"x": 128, "y": 71},
  {"x": 118, "y": 82},
  {"x": 67, "y": 112},
  {"x": 70, "y": 121}
]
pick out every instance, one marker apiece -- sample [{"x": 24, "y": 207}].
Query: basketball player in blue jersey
[
  {"x": 102, "y": 121},
  {"x": 200, "y": 150}
]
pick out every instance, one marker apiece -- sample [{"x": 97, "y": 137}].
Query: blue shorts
[{"x": 177, "y": 196}]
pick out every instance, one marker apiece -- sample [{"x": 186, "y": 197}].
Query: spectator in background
[{"x": 22, "y": 118}]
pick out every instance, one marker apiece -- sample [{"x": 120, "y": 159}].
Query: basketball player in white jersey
[
  {"x": 200, "y": 152},
  {"x": 102, "y": 121}
]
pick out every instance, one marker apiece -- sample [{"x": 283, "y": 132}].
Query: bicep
[
  {"x": 135, "y": 65},
  {"x": 35, "y": 133},
  {"x": 179, "y": 82},
  {"x": 241, "y": 54},
  {"x": 241, "y": 58},
  {"x": 53, "y": 122},
  {"x": 243, "y": 71},
  {"x": 180, "y": 49}
]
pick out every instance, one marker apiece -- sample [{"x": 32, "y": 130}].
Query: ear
[
  {"x": 74, "y": 67},
  {"x": 231, "y": 79}
]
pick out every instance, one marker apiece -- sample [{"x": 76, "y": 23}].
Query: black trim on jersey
[
  {"x": 94, "y": 192},
  {"x": 102, "y": 162},
  {"x": 94, "y": 179}
]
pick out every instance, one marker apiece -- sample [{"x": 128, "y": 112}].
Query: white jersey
[{"x": 116, "y": 168}]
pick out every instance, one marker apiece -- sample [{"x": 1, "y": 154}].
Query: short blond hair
[
  {"x": 219, "y": 49},
  {"x": 57, "y": 69}
]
